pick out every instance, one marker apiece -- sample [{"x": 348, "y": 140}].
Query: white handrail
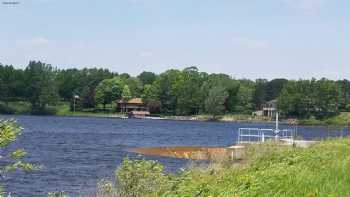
[{"x": 258, "y": 135}]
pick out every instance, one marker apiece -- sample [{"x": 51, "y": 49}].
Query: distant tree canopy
[
  {"x": 215, "y": 101},
  {"x": 305, "y": 98},
  {"x": 175, "y": 92},
  {"x": 41, "y": 89},
  {"x": 109, "y": 90},
  {"x": 126, "y": 94},
  {"x": 147, "y": 78}
]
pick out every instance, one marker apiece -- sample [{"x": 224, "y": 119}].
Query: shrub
[
  {"x": 5, "y": 109},
  {"x": 48, "y": 110},
  {"x": 135, "y": 178},
  {"x": 9, "y": 131},
  {"x": 18, "y": 107}
]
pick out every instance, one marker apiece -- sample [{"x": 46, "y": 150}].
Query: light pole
[{"x": 74, "y": 102}]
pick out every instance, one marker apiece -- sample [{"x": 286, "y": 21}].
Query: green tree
[
  {"x": 244, "y": 99},
  {"x": 151, "y": 98},
  {"x": 11, "y": 83},
  {"x": 147, "y": 78},
  {"x": 274, "y": 87},
  {"x": 225, "y": 81},
  {"x": 214, "y": 104},
  {"x": 260, "y": 95},
  {"x": 3, "y": 94},
  {"x": 70, "y": 83},
  {"x": 188, "y": 91},
  {"x": 9, "y": 132},
  {"x": 109, "y": 90},
  {"x": 168, "y": 85},
  {"x": 82, "y": 82},
  {"x": 345, "y": 89},
  {"x": 41, "y": 88},
  {"x": 328, "y": 98},
  {"x": 124, "y": 76},
  {"x": 126, "y": 94},
  {"x": 306, "y": 98},
  {"x": 135, "y": 86}
]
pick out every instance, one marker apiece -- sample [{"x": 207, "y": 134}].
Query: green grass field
[{"x": 321, "y": 170}]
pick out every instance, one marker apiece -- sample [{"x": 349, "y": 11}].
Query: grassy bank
[
  {"x": 222, "y": 118},
  {"x": 343, "y": 119},
  {"x": 321, "y": 170},
  {"x": 63, "y": 109}
]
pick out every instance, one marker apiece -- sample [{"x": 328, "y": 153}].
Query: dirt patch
[{"x": 195, "y": 153}]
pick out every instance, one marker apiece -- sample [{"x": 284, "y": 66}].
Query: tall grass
[{"x": 321, "y": 170}]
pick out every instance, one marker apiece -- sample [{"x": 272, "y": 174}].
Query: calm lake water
[{"x": 75, "y": 152}]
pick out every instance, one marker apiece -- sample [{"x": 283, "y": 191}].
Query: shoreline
[{"x": 199, "y": 118}]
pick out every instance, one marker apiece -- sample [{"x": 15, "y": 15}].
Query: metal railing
[{"x": 258, "y": 135}]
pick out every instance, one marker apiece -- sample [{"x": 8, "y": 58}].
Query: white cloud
[
  {"x": 137, "y": 1},
  {"x": 146, "y": 54},
  {"x": 32, "y": 43},
  {"x": 250, "y": 43},
  {"x": 307, "y": 6}
]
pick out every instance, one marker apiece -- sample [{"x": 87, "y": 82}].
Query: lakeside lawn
[
  {"x": 61, "y": 109},
  {"x": 321, "y": 170}
]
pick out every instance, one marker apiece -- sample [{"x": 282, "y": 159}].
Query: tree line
[{"x": 174, "y": 92}]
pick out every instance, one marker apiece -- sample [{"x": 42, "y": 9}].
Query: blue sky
[{"x": 243, "y": 38}]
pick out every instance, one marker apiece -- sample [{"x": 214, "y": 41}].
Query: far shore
[{"x": 342, "y": 120}]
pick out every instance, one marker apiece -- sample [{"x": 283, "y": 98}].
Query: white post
[
  {"x": 263, "y": 137},
  {"x": 277, "y": 122},
  {"x": 239, "y": 136},
  {"x": 74, "y": 106},
  {"x": 277, "y": 129},
  {"x": 74, "y": 102}
]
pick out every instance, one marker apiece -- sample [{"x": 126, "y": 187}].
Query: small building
[
  {"x": 270, "y": 108},
  {"x": 135, "y": 104}
]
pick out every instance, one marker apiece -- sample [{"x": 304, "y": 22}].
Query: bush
[
  {"x": 9, "y": 131},
  {"x": 18, "y": 107},
  {"x": 135, "y": 178},
  {"x": 6, "y": 109},
  {"x": 48, "y": 110}
]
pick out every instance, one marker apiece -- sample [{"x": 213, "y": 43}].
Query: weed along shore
[
  {"x": 268, "y": 169},
  {"x": 232, "y": 153},
  {"x": 194, "y": 153}
]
